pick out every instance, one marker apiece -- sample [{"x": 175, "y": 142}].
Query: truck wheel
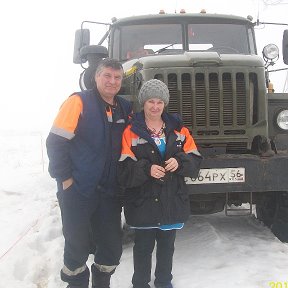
[
  {"x": 272, "y": 210},
  {"x": 280, "y": 224},
  {"x": 266, "y": 208}
]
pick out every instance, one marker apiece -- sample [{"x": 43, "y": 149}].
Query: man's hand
[{"x": 67, "y": 183}]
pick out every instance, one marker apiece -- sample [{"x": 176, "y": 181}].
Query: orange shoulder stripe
[
  {"x": 127, "y": 139},
  {"x": 67, "y": 118},
  {"x": 189, "y": 145}
]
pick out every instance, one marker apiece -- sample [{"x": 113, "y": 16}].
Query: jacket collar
[{"x": 138, "y": 125}]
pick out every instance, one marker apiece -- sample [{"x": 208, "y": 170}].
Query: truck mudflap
[{"x": 240, "y": 173}]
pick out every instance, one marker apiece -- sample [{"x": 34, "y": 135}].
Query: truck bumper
[{"x": 261, "y": 174}]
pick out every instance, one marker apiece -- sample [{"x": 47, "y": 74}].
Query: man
[{"x": 83, "y": 147}]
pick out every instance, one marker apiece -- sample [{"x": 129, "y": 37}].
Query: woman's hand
[
  {"x": 157, "y": 171},
  {"x": 171, "y": 165}
]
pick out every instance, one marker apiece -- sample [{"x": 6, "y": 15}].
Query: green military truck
[{"x": 221, "y": 88}]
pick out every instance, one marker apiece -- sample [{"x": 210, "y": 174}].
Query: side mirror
[
  {"x": 82, "y": 38},
  {"x": 285, "y": 47}
]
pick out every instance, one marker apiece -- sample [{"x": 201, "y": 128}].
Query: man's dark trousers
[{"x": 85, "y": 220}]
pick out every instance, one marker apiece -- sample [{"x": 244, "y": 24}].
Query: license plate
[{"x": 213, "y": 176}]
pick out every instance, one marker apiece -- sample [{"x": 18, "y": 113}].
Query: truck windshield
[
  {"x": 136, "y": 41},
  {"x": 140, "y": 40},
  {"x": 221, "y": 38}
]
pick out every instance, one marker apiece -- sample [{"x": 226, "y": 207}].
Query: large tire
[
  {"x": 272, "y": 210},
  {"x": 280, "y": 225},
  {"x": 266, "y": 208}
]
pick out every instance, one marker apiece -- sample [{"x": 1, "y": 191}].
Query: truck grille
[
  {"x": 211, "y": 104},
  {"x": 215, "y": 105}
]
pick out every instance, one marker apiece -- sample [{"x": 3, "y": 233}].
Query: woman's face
[{"x": 153, "y": 108}]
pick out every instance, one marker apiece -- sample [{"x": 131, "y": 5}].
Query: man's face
[{"x": 108, "y": 82}]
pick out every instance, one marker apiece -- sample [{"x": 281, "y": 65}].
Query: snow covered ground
[{"x": 211, "y": 251}]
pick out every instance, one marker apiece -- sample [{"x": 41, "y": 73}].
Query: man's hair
[{"x": 108, "y": 63}]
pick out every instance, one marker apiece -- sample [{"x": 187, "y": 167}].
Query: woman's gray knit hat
[{"x": 153, "y": 89}]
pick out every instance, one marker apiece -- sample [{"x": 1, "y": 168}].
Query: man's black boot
[
  {"x": 100, "y": 279},
  {"x": 81, "y": 280}
]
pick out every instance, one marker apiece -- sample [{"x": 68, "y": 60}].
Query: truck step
[{"x": 238, "y": 211}]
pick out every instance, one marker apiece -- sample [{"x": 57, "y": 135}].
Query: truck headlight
[
  {"x": 282, "y": 120},
  {"x": 270, "y": 51}
]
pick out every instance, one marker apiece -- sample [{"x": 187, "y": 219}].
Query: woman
[{"x": 157, "y": 153}]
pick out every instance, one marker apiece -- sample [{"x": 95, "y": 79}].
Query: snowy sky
[
  {"x": 37, "y": 74},
  {"x": 211, "y": 251},
  {"x": 37, "y": 40}
]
